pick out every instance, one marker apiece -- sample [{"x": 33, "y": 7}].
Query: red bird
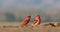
[
  {"x": 37, "y": 21},
  {"x": 26, "y": 21}
]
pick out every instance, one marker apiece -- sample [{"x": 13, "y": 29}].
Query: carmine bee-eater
[
  {"x": 26, "y": 21},
  {"x": 37, "y": 21}
]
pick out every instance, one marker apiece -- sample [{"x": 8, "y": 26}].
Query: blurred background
[{"x": 17, "y": 10}]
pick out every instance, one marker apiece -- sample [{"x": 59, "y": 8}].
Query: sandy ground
[{"x": 40, "y": 28}]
